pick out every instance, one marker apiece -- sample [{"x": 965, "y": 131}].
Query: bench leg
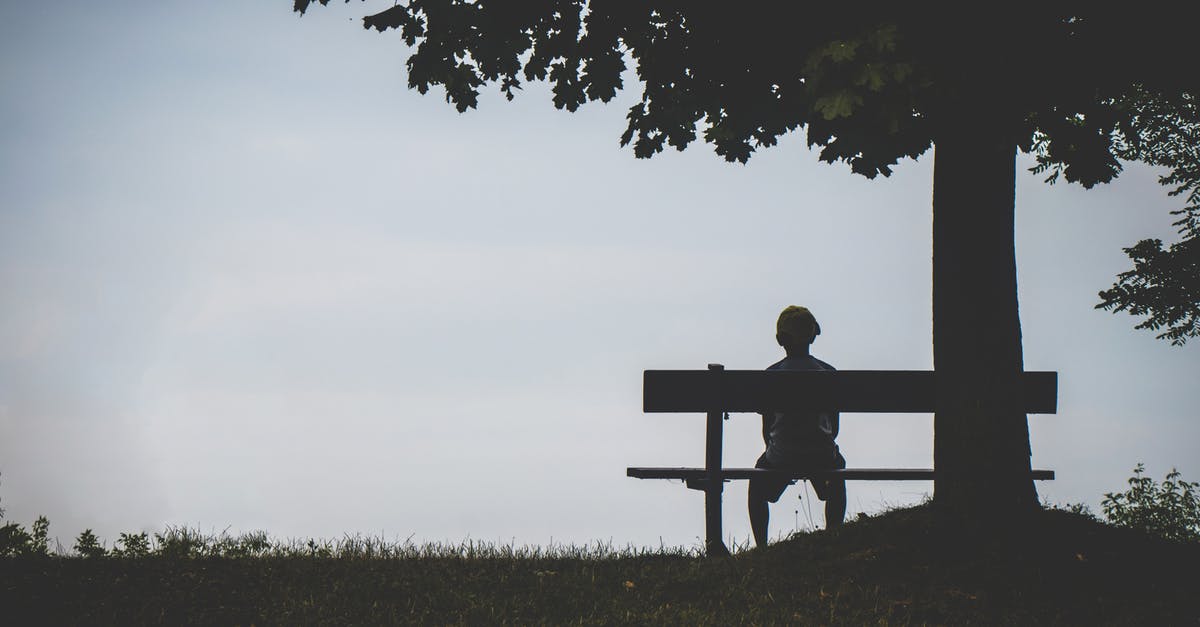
[
  {"x": 714, "y": 434},
  {"x": 714, "y": 546}
]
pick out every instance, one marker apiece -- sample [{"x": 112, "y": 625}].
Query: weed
[
  {"x": 1079, "y": 509},
  {"x": 1168, "y": 510},
  {"x": 14, "y": 540},
  {"x": 132, "y": 545},
  {"x": 88, "y": 545},
  {"x": 39, "y": 536}
]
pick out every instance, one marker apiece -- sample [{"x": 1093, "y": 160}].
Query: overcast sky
[{"x": 250, "y": 281}]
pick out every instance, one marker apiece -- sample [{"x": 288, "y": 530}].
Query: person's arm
[
  {"x": 835, "y": 417},
  {"x": 766, "y": 429}
]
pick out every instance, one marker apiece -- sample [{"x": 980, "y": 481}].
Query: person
[{"x": 801, "y": 440}]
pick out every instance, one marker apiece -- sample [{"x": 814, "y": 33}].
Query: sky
[{"x": 250, "y": 281}]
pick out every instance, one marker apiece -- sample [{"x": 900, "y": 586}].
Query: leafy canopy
[
  {"x": 1081, "y": 87},
  {"x": 1164, "y": 284}
]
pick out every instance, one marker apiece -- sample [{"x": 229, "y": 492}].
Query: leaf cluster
[
  {"x": 88, "y": 545},
  {"x": 1164, "y": 284},
  {"x": 15, "y": 540},
  {"x": 1082, "y": 88},
  {"x": 870, "y": 83},
  {"x": 1169, "y": 510}
]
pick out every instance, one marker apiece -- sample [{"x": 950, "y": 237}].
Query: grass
[{"x": 902, "y": 567}]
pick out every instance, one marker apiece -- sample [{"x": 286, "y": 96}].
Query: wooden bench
[{"x": 717, "y": 391}]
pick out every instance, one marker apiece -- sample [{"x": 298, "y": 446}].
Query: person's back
[
  {"x": 794, "y": 437},
  {"x": 798, "y": 440}
]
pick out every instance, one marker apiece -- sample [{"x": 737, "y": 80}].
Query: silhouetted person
[{"x": 797, "y": 440}]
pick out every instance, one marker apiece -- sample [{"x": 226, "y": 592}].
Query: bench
[{"x": 716, "y": 392}]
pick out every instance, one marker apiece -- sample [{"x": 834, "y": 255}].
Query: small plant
[
  {"x": 1169, "y": 510},
  {"x": 1079, "y": 509},
  {"x": 39, "y": 536},
  {"x": 132, "y": 545},
  {"x": 88, "y": 545},
  {"x": 15, "y": 540},
  {"x": 253, "y": 544},
  {"x": 323, "y": 548},
  {"x": 181, "y": 542}
]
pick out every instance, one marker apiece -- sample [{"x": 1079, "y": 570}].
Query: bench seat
[{"x": 855, "y": 474}]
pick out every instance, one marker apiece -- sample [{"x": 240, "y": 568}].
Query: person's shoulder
[
  {"x": 779, "y": 365},
  {"x": 806, "y": 362},
  {"x": 823, "y": 365}
]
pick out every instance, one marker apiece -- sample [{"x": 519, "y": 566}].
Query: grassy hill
[{"x": 902, "y": 567}]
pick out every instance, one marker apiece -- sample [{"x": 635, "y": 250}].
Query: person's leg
[
  {"x": 835, "y": 504},
  {"x": 763, "y": 491},
  {"x": 760, "y": 514}
]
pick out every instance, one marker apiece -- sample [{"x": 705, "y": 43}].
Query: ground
[{"x": 907, "y": 566}]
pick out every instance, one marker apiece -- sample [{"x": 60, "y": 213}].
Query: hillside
[{"x": 902, "y": 567}]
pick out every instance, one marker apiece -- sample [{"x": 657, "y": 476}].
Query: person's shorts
[{"x": 771, "y": 488}]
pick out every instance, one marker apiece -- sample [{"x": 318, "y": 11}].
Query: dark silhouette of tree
[
  {"x": 870, "y": 85},
  {"x": 1164, "y": 284}
]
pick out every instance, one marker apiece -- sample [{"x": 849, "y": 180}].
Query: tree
[
  {"x": 870, "y": 87},
  {"x": 1164, "y": 284}
]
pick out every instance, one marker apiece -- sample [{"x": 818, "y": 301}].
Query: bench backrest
[{"x": 886, "y": 391}]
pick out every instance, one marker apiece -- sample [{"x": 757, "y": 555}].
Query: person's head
[{"x": 796, "y": 328}]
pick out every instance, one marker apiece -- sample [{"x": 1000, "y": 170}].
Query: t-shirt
[{"x": 800, "y": 437}]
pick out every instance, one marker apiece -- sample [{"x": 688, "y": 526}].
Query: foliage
[
  {"x": 88, "y": 545},
  {"x": 16, "y": 541},
  {"x": 180, "y": 542},
  {"x": 870, "y": 86},
  {"x": 1078, "y": 509},
  {"x": 1168, "y": 510},
  {"x": 132, "y": 545},
  {"x": 39, "y": 536},
  {"x": 1164, "y": 284}
]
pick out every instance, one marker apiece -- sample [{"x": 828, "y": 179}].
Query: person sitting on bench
[{"x": 802, "y": 440}]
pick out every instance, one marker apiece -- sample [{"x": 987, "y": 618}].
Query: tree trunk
[{"x": 981, "y": 437}]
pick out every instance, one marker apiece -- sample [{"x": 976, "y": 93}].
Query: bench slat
[
  {"x": 858, "y": 474},
  {"x": 879, "y": 391}
]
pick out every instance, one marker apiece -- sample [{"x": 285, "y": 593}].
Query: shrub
[
  {"x": 39, "y": 536},
  {"x": 1169, "y": 510},
  {"x": 14, "y": 540},
  {"x": 1079, "y": 509},
  {"x": 132, "y": 545},
  {"x": 88, "y": 545},
  {"x": 179, "y": 542}
]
